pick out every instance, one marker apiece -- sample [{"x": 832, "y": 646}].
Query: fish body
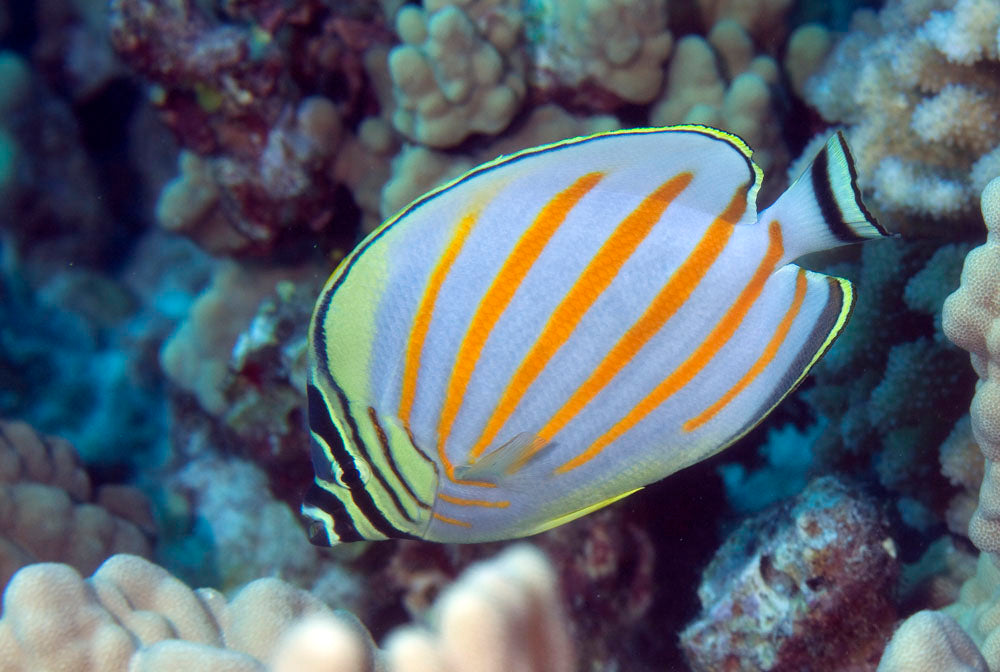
[{"x": 558, "y": 328}]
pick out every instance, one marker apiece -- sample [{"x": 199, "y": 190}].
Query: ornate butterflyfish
[{"x": 559, "y": 327}]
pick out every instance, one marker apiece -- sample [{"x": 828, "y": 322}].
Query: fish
[{"x": 560, "y": 327}]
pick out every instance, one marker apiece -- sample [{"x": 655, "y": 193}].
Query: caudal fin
[{"x": 823, "y": 207}]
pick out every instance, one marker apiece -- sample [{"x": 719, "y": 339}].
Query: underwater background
[{"x": 178, "y": 178}]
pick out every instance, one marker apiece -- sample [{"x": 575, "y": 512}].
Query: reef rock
[{"x": 806, "y": 585}]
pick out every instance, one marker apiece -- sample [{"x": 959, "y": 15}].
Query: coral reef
[
  {"x": 133, "y": 615},
  {"x": 241, "y": 353},
  {"x": 273, "y": 134},
  {"x": 598, "y": 54},
  {"x": 418, "y": 169},
  {"x": 970, "y": 319},
  {"x": 962, "y": 637},
  {"x": 605, "y": 566},
  {"x": 963, "y": 464},
  {"x": 788, "y": 456},
  {"x": 930, "y": 641},
  {"x": 51, "y": 211},
  {"x": 260, "y": 169},
  {"x": 501, "y": 615},
  {"x": 51, "y": 512},
  {"x": 718, "y": 81},
  {"x": 73, "y": 50},
  {"x": 917, "y": 87},
  {"x": 786, "y": 580},
  {"x": 272, "y": 542},
  {"x": 458, "y": 71},
  {"x": 891, "y": 387}
]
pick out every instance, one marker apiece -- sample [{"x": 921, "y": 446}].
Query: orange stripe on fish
[
  {"x": 697, "y": 361},
  {"x": 765, "y": 358},
  {"x": 673, "y": 295},
  {"x": 422, "y": 321},
  {"x": 595, "y": 278},
  {"x": 506, "y": 282},
  {"x": 451, "y": 521},
  {"x": 569, "y": 297},
  {"x": 421, "y": 325},
  {"x": 472, "y": 502}
]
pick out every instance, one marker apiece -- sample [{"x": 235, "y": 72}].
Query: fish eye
[{"x": 364, "y": 471}]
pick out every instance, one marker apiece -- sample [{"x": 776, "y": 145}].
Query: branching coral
[
  {"x": 891, "y": 389},
  {"x": 918, "y": 89}
]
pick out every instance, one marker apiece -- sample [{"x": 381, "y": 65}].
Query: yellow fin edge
[
  {"x": 845, "y": 313},
  {"x": 734, "y": 140},
  {"x": 573, "y": 515}
]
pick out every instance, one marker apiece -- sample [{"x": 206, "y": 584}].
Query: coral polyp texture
[
  {"x": 917, "y": 86},
  {"x": 963, "y": 636},
  {"x": 972, "y": 320},
  {"x": 504, "y": 614}
]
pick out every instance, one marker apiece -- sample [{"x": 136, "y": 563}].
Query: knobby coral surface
[
  {"x": 50, "y": 512},
  {"x": 501, "y": 615},
  {"x": 972, "y": 321}
]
